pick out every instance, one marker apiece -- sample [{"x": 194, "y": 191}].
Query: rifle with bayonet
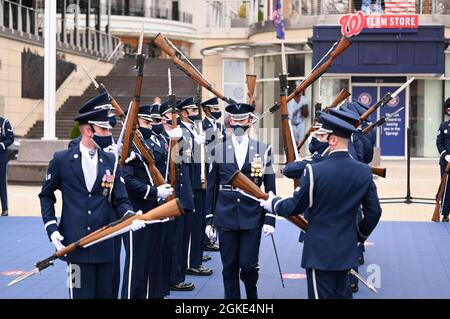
[
  {"x": 131, "y": 123},
  {"x": 381, "y": 121},
  {"x": 170, "y": 209},
  {"x": 385, "y": 100},
  {"x": 174, "y": 152},
  {"x": 183, "y": 63},
  {"x": 342, "y": 96},
  {"x": 251, "y": 85},
  {"x": 440, "y": 194},
  {"x": 200, "y": 130}
]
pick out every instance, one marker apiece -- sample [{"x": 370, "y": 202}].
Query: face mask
[
  {"x": 112, "y": 120},
  {"x": 216, "y": 115},
  {"x": 157, "y": 128},
  {"x": 194, "y": 118},
  {"x": 102, "y": 141},
  {"x": 239, "y": 130},
  {"x": 146, "y": 132}
]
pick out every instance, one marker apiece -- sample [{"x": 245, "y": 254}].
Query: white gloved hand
[
  {"x": 268, "y": 230},
  {"x": 211, "y": 233},
  {"x": 137, "y": 223},
  {"x": 56, "y": 238},
  {"x": 200, "y": 138},
  {"x": 267, "y": 204},
  {"x": 447, "y": 158},
  {"x": 164, "y": 191},
  {"x": 176, "y": 133}
]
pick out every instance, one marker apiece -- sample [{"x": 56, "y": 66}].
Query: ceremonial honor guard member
[
  {"x": 143, "y": 274},
  {"x": 443, "y": 146},
  {"x": 332, "y": 191},
  {"x": 178, "y": 239},
  {"x": 238, "y": 218},
  {"x": 6, "y": 140},
  {"x": 191, "y": 148},
  {"x": 84, "y": 175}
]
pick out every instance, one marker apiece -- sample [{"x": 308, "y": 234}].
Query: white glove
[
  {"x": 268, "y": 230},
  {"x": 211, "y": 233},
  {"x": 56, "y": 238},
  {"x": 200, "y": 138},
  {"x": 447, "y": 158},
  {"x": 267, "y": 204},
  {"x": 164, "y": 191},
  {"x": 176, "y": 133},
  {"x": 137, "y": 223}
]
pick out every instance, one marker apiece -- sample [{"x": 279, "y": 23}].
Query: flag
[
  {"x": 278, "y": 19},
  {"x": 400, "y": 6}
]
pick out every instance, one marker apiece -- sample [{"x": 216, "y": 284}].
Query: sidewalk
[{"x": 24, "y": 200}]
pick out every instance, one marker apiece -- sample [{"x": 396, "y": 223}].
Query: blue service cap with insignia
[
  {"x": 336, "y": 126},
  {"x": 154, "y": 113},
  {"x": 354, "y": 107},
  {"x": 360, "y": 104},
  {"x": 214, "y": 103},
  {"x": 145, "y": 111},
  {"x": 186, "y": 103},
  {"x": 240, "y": 111},
  {"x": 97, "y": 117},
  {"x": 101, "y": 101},
  {"x": 350, "y": 118},
  {"x": 447, "y": 103}
]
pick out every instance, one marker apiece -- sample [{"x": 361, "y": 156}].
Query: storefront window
[{"x": 234, "y": 80}]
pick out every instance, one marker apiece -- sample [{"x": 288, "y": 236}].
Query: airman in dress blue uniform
[
  {"x": 84, "y": 175},
  {"x": 6, "y": 140},
  {"x": 239, "y": 219},
  {"x": 193, "y": 141},
  {"x": 443, "y": 146},
  {"x": 330, "y": 246}
]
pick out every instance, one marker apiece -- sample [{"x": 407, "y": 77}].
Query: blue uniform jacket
[
  {"x": 184, "y": 190},
  {"x": 332, "y": 191},
  {"x": 234, "y": 210},
  {"x": 443, "y": 141},
  {"x": 82, "y": 212},
  {"x": 159, "y": 152},
  {"x": 6, "y": 139}
]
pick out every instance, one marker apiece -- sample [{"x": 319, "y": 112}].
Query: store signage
[{"x": 353, "y": 24}]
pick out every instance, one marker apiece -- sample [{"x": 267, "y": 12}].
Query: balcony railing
[
  {"x": 28, "y": 22},
  {"x": 238, "y": 14},
  {"x": 151, "y": 12}
]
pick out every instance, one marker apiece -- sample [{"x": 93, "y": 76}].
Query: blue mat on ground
[{"x": 413, "y": 260}]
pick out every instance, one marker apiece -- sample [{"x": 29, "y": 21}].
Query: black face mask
[
  {"x": 194, "y": 118},
  {"x": 112, "y": 120},
  {"x": 239, "y": 130},
  {"x": 146, "y": 132},
  {"x": 103, "y": 141},
  {"x": 317, "y": 146},
  {"x": 216, "y": 115},
  {"x": 157, "y": 128}
]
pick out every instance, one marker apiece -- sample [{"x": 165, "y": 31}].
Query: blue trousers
[
  {"x": 328, "y": 284},
  {"x": 197, "y": 231},
  {"x": 116, "y": 267},
  {"x": 91, "y": 281},
  {"x": 446, "y": 199},
  {"x": 180, "y": 246},
  {"x": 4, "y": 185},
  {"x": 239, "y": 250}
]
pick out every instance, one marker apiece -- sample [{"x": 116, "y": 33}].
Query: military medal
[
  {"x": 107, "y": 182},
  {"x": 257, "y": 170}
]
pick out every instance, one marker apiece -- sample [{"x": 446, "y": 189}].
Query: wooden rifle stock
[
  {"x": 440, "y": 194},
  {"x": 242, "y": 182},
  {"x": 251, "y": 84},
  {"x": 174, "y": 152},
  {"x": 184, "y": 64},
  {"x": 343, "y": 44},
  {"x": 373, "y": 108},
  {"x": 379, "y": 171}
]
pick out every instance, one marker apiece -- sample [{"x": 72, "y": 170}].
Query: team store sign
[{"x": 353, "y": 24}]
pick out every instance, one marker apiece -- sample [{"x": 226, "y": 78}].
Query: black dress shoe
[
  {"x": 354, "y": 288},
  {"x": 5, "y": 213},
  {"x": 182, "y": 286},
  {"x": 212, "y": 247},
  {"x": 206, "y": 258},
  {"x": 444, "y": 218},
  {"x": 200, "y": 271}
]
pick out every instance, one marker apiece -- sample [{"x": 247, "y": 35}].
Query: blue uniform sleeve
[
  {"x": 47, "y": 196},
  {"x": 7, "y": 137},
  {"x": 295, "y": 169},
  {"x": 269, "y": 183},
  {"x": 371, "y": 213},
  {"x": 440, "y": 142},
  {"x": 119, "y": 198},
  {"x": 211, "y": 186},
  {"x": 135, "y": 186},
  {"x": 300, "y": 200}
]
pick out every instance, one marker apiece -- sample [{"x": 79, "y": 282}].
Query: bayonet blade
[
  {"x": 141, "y": 41},
  {"x": 24, "y": 276},
  {"x": 361, "y": 278},
  {"x": 404, "y": 86},
  {"x": 169, "y": 77},
  {"x": 283, "y": 59},
  {"x": 394, "y": 114},
  {"x": 89, "y": 75}
]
